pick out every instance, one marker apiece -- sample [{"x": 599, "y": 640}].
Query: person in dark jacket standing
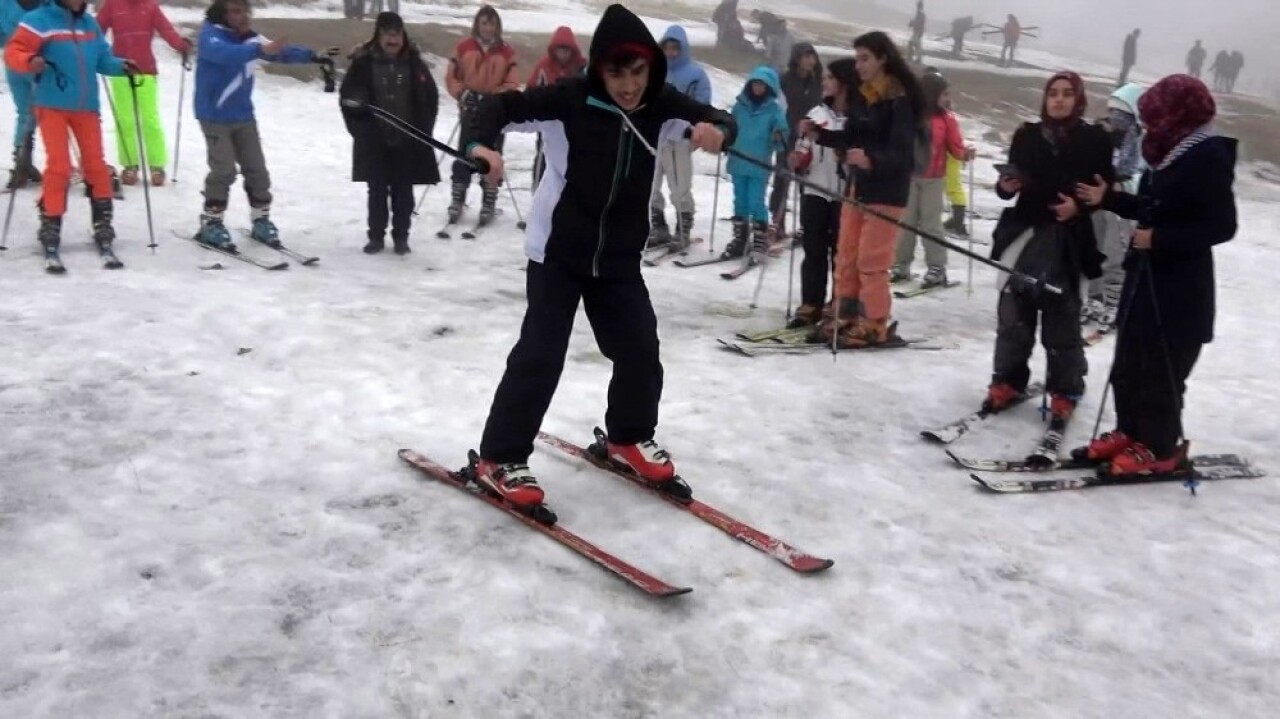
[
  {"x": 1130, "y": 56},
  {"x": 586, "y": 233},
  {"x": 802, "y": 88},
  {"x": 879, "y": 140},
  {"x": 1048, "y": 235},
  {"x": 1185, "y": 205},
  {"x": 388, "y": 72},
  {"x": 1195, "y": 59}
]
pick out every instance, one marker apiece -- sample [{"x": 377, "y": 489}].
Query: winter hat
[
  {"x": 388, "y": 22},
  {"x": 1172, "y": 109}
]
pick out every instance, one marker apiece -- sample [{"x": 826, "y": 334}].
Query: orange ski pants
[
  {"x": 864, "y": 256},
  {"x": 56, "y": 129}
]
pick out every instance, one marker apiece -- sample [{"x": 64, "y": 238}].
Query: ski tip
[
  {"x": 951, "y": 454},
  {"x": 812, "y": 565},
  {"x": 931, "y": 436},
  {"x": 671, "y": 592},
  {"x": 280, "y": 266},
  {"x": 982, "y": 482},
  {"x": 310, "y": 262}
]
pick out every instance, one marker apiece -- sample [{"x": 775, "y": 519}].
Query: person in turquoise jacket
[
  {"x": 61, "y": 46},
  {"x": 762, "y": 131},
  {"x": 20, "y": 87}
]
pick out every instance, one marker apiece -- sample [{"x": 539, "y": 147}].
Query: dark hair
[
  {"x": 217, "y": 12},
  {"x": 880, "y": 45},
  {"x": 844, "y": 71},
  {"x": 625, "y": 54},
  {"x": 489, "y": 12},
  {"x": 932, "y": 85}
]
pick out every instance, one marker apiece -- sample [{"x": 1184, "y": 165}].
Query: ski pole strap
[
  {"x": 477, "y": 164},
  {"x": 862, "y": 206}
]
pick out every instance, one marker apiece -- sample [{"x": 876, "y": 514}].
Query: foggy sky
[{"x": 1097, "y": 28}]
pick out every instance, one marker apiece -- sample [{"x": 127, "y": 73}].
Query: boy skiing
[
  {"x": 132, "y": 24},
  {"x": 762, "y": 132},
  {"x": 61, "y": 46},
  {"x": 676, "y": 158},
  {"x": 229, "y": 51},
  {"x": 584, "y": 241}
]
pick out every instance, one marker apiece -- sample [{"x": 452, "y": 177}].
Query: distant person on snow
[
  {"x": 586, "y": 233},
  {"x": 1012, "y": 32},
  {"x": 959, "y": 28},
  {"x": 802, "y": 86},
  {"x": 675, "y": 159},
  {"x": 1184, "y": 206},
  {"x": 563, "y": 59},
  {"x": 729, "y": 32},
  {"x": 879, "y": 142},
  {"x": 1047, "y": 235},
  {"x": 915, "y": 46},
  {"x": 1220, "y": 68},
  {"x": 61, "y": 46},
  {"x": 482, "y": 65},
  {"x": 955, "y": 185},
  {"x": 1195, "y": 59},
  {"x": 228, "y": 51},
  {"x": 1237, "y": 64},
  {"x": 924, "y": 206},
  {"x": 819, "y": 213},
  {"x": 21, "y": 88},
  {"x": 762, "y": 132},
  {"x": 1130, "y": 57},
  {"x": 388, "y": 72},
  {"x": 775, "y": 37},
  {"x": 133, "y": 24}
]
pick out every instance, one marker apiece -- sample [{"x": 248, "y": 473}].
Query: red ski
[
  {"x": 636, "y": 577},
  {"x": 796, "y": 559}
]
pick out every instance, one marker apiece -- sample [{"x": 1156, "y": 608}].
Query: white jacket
[{"x": 824, "y": 168}]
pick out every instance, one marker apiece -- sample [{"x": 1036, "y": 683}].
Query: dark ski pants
[
  {"x": 400, "y": 195},
  {"x": 781, "y": 186},
  {"x": 461, "y": 172},
  {"x": 1059, "y": 319},
  {"x": 1149, "y": 389},
  {"x": 626, "y": 331},
  {"x": 820, "y": 218}
]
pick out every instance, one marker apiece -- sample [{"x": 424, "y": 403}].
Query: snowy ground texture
[{"x": 202, "y": 513}]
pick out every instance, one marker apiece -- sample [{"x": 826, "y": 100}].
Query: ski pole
[
  {"x": 973, "y": 213},
  {"x": 715, "y": 204},
  {"x": 423, "y": 197},
  {"x": 791, "y": 265},
  {"x": 512, "y": 193},
  {"x": 19, "y": 176},
  {"x": 182, "y": 88},
  {"x": 111, "y": 101},
  {"x": 1031, "y": 281},
  {"x": 763, "y": 262},
  {"x": 142, "y": 157}
]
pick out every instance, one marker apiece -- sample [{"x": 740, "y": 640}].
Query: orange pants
[
  {"x": 863, "y": 258},
  {"x": 56, "y": 129}
]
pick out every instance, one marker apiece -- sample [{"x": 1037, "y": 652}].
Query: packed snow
[{"x": 202, "y": 513}]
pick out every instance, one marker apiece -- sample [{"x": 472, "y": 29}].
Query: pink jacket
[
  {"x": 132, "y": 24},
  {"x": 946, "y": 141}
]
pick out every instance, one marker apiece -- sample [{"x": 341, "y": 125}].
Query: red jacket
[
  {"x": 946, "y": 141},
  {"x": 132, "y": 24},
  {"x": 548, "y": 71}
]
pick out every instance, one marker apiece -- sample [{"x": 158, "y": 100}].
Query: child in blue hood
[
  {"x": 762, "y": 131},
  {"x": 675, "y": 159}
]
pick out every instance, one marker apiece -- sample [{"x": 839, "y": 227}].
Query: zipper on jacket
[
  {"x": 613, "y": 189},
  {"x": 84, "y": 77}
]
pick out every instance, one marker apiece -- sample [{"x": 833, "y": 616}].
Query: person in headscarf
[{"x": 1184, "y": 206}]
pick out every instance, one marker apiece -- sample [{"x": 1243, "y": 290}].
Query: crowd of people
[{"x": 1133, "y": 202}]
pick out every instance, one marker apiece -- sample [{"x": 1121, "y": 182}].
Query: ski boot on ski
[
  {"x": 513, "y": 483},
  {"x": 50, "y": 238},
  {"x": 263, "y": 229},
  {"x": 213, "y": 232},
  {"x": 659, "y": 233},
  {"x": 1117, "y": 455},
  {"x": 647, "y": 461}
]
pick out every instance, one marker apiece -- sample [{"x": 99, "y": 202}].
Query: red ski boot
[
  {"x": 1138, "y": 459},
  {"x": 647, "y": 459},
  {"x": 1104, "y": 448},
  {"x": 511, "y": 481},
  {"x": 1000, "y": 396}
]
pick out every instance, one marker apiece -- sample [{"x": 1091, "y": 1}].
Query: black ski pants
[
  {"x": 1059, "y": 319},
  {"x": 1149, "y": 388},
  {"x": 461, "y": 171},
  {"x": 820, "y": 218},
  {"x": 626, "y": 331},
  {"x": 400, "y": 195}
]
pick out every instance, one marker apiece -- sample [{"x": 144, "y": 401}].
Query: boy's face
[
  {"x": 562, "y": 55},
  {"x": 758, "y": 89},
  {"x": 672, "y": 49},
  {"x": 238, "y": 15},
  {"x": 488, "y": 28},
  {"x": 626, "y": 83},
  {"x": 391, "y": 41}
]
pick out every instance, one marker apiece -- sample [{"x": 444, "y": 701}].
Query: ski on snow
[
  {"x": 1196, "y": 474},
  {"x": 1023, "y": 465},
  {"x": 751, "y": 262},
  {"x": 920, "y": 291},
  {"x": 708, "y": 260},
  {"x": 304, "y": 260},
  {"x": 655, "y": 256},
  {"x": 234, "y": 254},
  {"x": 793, "y": 558},
  {"x": 637, "y": 578},
  {"x": 797, "y": 345},
  {"x": 949, "y": 433}
]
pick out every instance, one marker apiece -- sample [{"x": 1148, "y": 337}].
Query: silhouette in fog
[
  {"x": 1012, "y": 32},
  {"x": 1221, "y": 64},
  {"x": 1130, "y": 56},
  {"x": 959, "y": 28},
  {"x": 729, "y": 32},
  {"x": 1195, "y": 59},
  {"x": 915, "y": 48}
]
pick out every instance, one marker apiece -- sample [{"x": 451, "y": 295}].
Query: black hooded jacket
[
  {"x": 591, "y": 211},
  {"x": 802, "y": 93}
]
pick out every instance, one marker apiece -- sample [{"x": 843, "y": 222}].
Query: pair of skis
[
  {"x": 797, "y": 340},
  {"x": 235, "y": 253},
  {"x": 53, "y": 260},
  {"x": 654, "y": 256},
  {"x": 544, "y": 521},
  {"x": 921, "y": 290}
]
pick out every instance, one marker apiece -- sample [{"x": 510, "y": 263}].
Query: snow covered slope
[{"x": 202, "y": 513}]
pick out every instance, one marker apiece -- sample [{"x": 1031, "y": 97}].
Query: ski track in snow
[{"x": 193, "y": 531}]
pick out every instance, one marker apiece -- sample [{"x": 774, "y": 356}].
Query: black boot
[
  {"x": 374, "y": 246},
  {"x": 488, "y": 201},
  {"x": 103, "y": 233},
  {"x": 759, "y": 238},
  {"x": 659, "y": 233},
  {"x": 459, "y": 198},
  {"x": 18, "y": 177},
  {"x": 738, "y": 245},
  {"x": 684, "y": 229},
  {"x": 50, "y": 232},
  {"x": 401, "y": 245},
  {"x": 955, "y": 225}
]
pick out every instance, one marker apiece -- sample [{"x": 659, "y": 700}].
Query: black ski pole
[
  {"x": 19, "y": 176},
  {"x": 182, "y": 89},
  {"x": 142, "y": 159},
  {"x": 476, "y": 164},
  {"x": 1031, "y": 281}
]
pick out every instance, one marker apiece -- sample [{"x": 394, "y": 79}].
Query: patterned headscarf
[{"x": 1172, "y": 109}]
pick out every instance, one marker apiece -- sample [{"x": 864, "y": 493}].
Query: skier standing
[
  {"x": 482, "y": 64},
  {"x": 819, "y": 213},
  {"x": 729, "y": 32},
  {"x": 563, "y": 59},
  {"x": 1233, "y": 72},
  {"x": 675, "y": 159},
  {"x": 879, "y": 140},
  {"x": 1195, "y": 59},
  {"x": 228, "y": 51},
  {"x": 584, "y": 241},
  {"x": 1012, "y": 32},
  {"x": 388, "y": 72},
  {"x": 1220, "y": 68},
  {"x": 1047, "y": 235},
  {"x": 915, "y": 47},
  {"x": 133, "y": 24},
  {"x": 1184, "y": 206},
  {"x": 802, "y": 87},
  {"x": 762, "y": 132},
  {"x": 21, "y": 87},
  {"x": 61, "y": 46},
  {"x": 1130, "y": 56}
]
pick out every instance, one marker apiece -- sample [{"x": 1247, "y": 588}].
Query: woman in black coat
[
  {"x": 388, "y": 72},
  {"x": 1185, "y": 205},
  {"x": 1047, "y": 235}
]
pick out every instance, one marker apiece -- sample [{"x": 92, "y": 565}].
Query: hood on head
[
  {"x": 619, "y": 26},
  {"x": 768, "y": 76},
  {"x": 1126, "y": 98},
  {"x": 677, "y": 33},
  {"x": 801, "y": 49},
  {"x": 564, "y": 37}
]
